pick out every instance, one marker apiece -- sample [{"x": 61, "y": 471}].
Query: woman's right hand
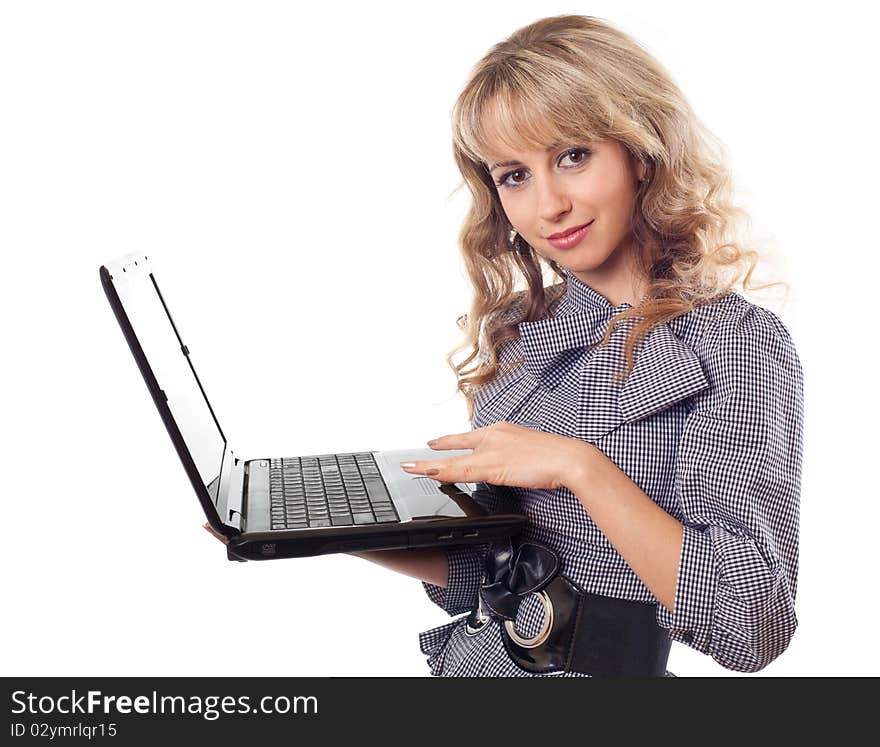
[
  {"x": 425, "y": 563},
  {"x": 220, "y": 537},
  {"x": 225, "y": 540}
]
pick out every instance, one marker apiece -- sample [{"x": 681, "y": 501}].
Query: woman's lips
[{"x": 566, "y": 242}]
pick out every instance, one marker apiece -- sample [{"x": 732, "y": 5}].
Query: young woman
[
  {"x": 645, "y": 416},
  {"x": 663, "y": 498}
]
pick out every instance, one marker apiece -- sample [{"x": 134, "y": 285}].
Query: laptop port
[
  {"x": 447, "y": 536},
  {"x": 475, "y": 533}
]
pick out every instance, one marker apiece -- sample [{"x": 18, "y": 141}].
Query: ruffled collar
[
  {"x": 579, "y": 297},
  {"x": 666, "y": 368}
]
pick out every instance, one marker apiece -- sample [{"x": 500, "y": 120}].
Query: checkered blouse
[{"x": 709, "y": 424}]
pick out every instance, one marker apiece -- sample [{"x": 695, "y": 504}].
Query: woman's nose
[{"x": 553, "y": 199}]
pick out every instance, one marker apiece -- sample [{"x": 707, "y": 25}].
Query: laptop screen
[{"x": 171, "y": 365}]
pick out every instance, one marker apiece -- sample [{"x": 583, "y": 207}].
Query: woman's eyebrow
[{"x": 514, "y": 162}]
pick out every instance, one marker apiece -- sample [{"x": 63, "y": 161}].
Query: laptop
[{"x": 273, "y": 507}]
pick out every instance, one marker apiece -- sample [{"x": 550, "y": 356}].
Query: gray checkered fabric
[{"x": 709, "y": 425}]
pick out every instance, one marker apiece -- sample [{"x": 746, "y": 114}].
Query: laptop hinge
[{"x": 235, "y": 496}]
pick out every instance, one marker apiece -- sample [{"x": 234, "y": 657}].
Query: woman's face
[{"x": 548, "y": 192}]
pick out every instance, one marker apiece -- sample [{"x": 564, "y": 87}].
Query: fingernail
[
  {"x": 432, "y": 442},
  {"x": 407, "y": 465}
]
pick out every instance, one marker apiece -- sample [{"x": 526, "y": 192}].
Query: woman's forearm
[
  {"x": 647, "y": 537},
  {"x": 428, "y": 564}
]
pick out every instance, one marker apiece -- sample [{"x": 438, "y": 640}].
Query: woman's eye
[
  {"x": 582, "y": 151},
  {"x": 581, "y": 156},
  {"x": 503, "y": 181}
]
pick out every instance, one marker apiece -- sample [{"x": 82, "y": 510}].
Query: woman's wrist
[{"x": 578, "y": 465}]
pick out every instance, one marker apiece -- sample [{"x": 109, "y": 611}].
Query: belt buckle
[
  {"x": 548, "y": 651},
  {"x": 537, "y": 640}
]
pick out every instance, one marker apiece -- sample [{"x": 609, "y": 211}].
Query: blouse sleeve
[
  {"x": 737, "y": 478},
  {"x": 465, "y": 575}
]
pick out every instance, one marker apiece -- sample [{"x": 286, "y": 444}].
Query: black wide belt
[{"x": 582, "y": 632}]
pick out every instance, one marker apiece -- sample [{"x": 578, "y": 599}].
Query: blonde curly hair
[{"x": 573, "y": 78}]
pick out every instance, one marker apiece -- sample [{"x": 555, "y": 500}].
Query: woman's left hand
[{"x": 507, "y": 454}]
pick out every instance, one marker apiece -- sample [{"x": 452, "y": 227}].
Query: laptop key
[
  {"x": 319, "y": 522},
  {"x": 364, "y": 518},
  {"x": 339, "y": 521},
  {"x": 376, "y": 490}
]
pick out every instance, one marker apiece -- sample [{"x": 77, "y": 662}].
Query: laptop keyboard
[{"x": 329, "y": 490}]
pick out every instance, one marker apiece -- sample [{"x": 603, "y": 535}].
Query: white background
[{"x": 288, "y": 169}]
